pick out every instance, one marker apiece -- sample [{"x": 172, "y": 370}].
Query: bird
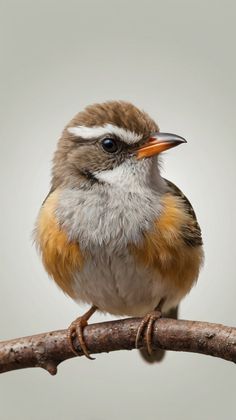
[{"x": 113, "y": 233}]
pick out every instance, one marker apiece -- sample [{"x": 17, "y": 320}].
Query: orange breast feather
[
  {"x": 164, "y": 248},
  {"x": 61, "y": 257}
]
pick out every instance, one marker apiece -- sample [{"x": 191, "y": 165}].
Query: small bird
[{"x": 112, "y": 232}]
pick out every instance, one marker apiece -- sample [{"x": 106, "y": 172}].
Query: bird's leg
[
  {"x": 147, "y": 326},
  {"x": 76, "y": 329}
]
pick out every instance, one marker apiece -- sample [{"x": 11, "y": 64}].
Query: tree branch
[{"x": 49, "y": 349}]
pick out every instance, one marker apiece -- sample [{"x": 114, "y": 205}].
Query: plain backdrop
[{"x": 176, "y": 60}]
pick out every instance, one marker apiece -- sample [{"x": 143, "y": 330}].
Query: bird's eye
[{"x": 109, "y": 145}]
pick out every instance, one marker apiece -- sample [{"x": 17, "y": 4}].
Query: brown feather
[
  {"x": 61, "y": 257},
  {"x": 166, "y": 249}
]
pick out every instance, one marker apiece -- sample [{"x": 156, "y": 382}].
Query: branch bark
[{"x": 47, "y": 350}]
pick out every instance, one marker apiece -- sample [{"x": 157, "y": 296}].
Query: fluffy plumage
[{"x": 113, "y": 232}]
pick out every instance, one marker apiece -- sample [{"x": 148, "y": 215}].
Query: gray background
[{"x": 176, "y": 60}]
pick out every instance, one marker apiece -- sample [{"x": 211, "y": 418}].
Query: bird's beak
[{"x": 157, "y": 143}]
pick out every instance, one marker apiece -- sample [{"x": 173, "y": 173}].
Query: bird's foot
[
  {"x": 146, "y": 326},
  {"x": 76, "y": 330}
]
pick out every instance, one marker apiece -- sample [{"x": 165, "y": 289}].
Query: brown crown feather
[{"x": 120, "y": 113}]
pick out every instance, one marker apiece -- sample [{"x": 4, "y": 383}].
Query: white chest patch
[
  {"x": 99, "y": 219},
  {"x": 114, "y": 212}
]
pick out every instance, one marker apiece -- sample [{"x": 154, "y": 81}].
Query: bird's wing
[
  {"x": 191, "y": 231},
  {"x": 52, "y": 189}
]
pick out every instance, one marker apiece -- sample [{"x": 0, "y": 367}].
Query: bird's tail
[{"x": 158, "y": 354}]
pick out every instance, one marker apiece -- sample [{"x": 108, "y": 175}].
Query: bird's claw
[
  {"x": 146, "y": 326},
  {"x": 76, "y": 330}
]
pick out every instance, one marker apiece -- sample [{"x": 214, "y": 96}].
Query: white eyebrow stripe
[{"x": 97, "y": 131}]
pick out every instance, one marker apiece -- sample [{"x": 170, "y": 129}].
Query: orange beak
[{"x": 158, "y": 143}]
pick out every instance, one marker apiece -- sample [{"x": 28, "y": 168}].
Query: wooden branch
[{"x": 49, "y": 349}]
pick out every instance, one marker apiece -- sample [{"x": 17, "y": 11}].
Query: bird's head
[{"x": 113, "y": 142}]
